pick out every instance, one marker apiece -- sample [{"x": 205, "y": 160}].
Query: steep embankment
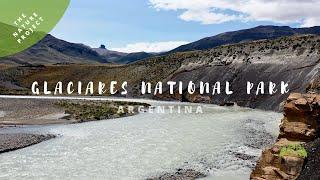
[
  {"x": 295, "y": 60},
  {"x": 286, "y": 158}
]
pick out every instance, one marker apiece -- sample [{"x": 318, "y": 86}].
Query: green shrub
[{"x": 296, "y": 150}]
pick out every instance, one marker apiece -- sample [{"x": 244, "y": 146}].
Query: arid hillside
[{"x": 295, "y": 60}]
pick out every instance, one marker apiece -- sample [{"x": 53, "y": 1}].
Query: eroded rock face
[
  {"x": 261, "y": 61},
  {"x": 299, "y": 125},
  {"x": 301, "y": 115}
]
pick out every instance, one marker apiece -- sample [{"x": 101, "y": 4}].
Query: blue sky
[{"x": 142, "y": 25}]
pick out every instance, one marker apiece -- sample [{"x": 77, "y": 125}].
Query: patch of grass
[
  {"x": 295, "y": 150},
  {"x": 96, "y": 110}
]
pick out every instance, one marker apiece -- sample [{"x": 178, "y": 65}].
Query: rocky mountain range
[
  {"x": 52, "y": 50},
  {"x": 257, "y": 33}
]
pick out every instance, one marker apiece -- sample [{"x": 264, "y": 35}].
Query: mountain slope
[
  {"x": 51, "y": 50},
  {"x": 70, "y": 49},
  {"x": 257, "y": 33}
]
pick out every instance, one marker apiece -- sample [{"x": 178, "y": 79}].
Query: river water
[{"x": 223, "y": 142}]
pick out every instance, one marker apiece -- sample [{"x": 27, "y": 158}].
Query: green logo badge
[{"x": 25, "y": 22}]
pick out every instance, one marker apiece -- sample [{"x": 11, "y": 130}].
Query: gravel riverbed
[{"x": 10, "y": 142}]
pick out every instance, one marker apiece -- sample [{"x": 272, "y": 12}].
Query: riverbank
[
  {"x": 181, "y": 174},
  {"x": 22, "y": 112},
  {"x": 11, "y": 142}
]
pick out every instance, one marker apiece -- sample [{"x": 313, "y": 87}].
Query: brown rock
[
  {"x": 292, "y": 165},
  {"x": 269, "y": 171},
  {"x": 201, "y": 99},
  {"x": 282, "y": 174},
  {"x": 301, "y": 102},
  {"x": 275, "y": 150},
  {"x": 294, "y": 96},
  {"x": 298, "y": 131}
]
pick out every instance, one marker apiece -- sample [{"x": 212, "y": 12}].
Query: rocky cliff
[
  {"x": 287, "y": 158},
  {"x": 295, "y": 60}
]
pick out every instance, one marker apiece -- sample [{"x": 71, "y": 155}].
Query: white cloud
[
  {"x": 150, "y": 46},
  {"x": 206, "y": 17},
  {"x": 304, "y": 12}
]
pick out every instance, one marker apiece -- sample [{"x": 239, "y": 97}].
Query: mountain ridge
[
  {"x": 251, "y": 34},
  {"x": 51, "y": 50},
  {"x": 121, "y": 57}
]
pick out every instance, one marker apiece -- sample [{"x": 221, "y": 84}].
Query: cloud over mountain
[
  {"x": 150, "y": 46},
  {"x": 306, "y": 13}
]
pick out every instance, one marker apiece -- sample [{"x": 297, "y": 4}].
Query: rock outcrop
[{"x": 300, "y": 125}]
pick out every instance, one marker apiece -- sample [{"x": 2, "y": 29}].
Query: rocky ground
[
  {"x": 16, "y": 112},
  {"x": 10, "y": 142},
  {"x": 181, "y": 174}
]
